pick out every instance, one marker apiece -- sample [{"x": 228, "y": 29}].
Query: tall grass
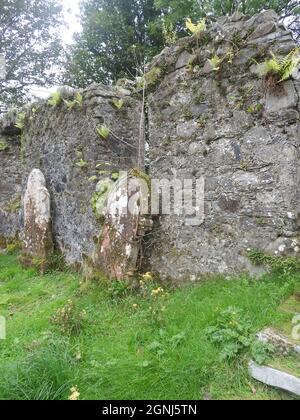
[
  {"x": 121, "y": 353},
  {"x": 44, "y": 375}
]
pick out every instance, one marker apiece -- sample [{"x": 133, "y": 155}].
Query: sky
[{"x": 71, "y": 12}]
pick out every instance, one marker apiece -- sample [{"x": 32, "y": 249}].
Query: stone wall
[
  {"x": 10, "y": 180},
  {"x": 64, "y": 144},
  {"x": 217, "y": 119},
  {"x": 225, "y": 125}
]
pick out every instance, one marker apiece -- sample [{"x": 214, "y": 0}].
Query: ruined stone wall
[
  {"x": 10, "y": 180},
  {"x": 217, "y": 119},
  {"x": 225, "y": 125},
  {"x": 64, "y": 144}
]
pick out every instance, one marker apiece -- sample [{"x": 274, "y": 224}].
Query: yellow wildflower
[
  {"x": 75, "y": 394},
  {"x": 147, "y": 277}
]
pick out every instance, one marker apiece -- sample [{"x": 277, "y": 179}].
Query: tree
[
  {"x": 30, "y": 43},
  {"x": 117, "y": 37},
  {"x": 176, "y": 11}
]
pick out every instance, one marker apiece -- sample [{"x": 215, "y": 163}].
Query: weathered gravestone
[
  {"x": 38, "y": 241},
  {"x": 124, "y": 226}
]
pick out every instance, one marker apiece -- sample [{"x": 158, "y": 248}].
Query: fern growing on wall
[
  {"x": 77, "y": 101},
  {"x": 20, "y": 122},
  {"x": 103, "y": 132},
  {"x": 281, "y": 68},
  {"x": 55, "y": 99},
  {"x": 197, "y": 28}
]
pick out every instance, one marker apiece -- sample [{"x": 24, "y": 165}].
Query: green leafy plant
[
  {"x": 118, "y": 290},
  {"x": 20, "y": 122},
  {"x": 103, "y": 173},
  {"x": 3, "y": 146},
  {"x": 197, "y": 28},
  {"x": 281, "y": 69},
  {"x": 79, "y": 154},
  {"x": 234, "y": 335},
  {"x": 215, "y": 62},
  {"x": 103, "y": 132},
  {"x": 254, "y": 108},
  {"x": 118, "y": 103},
  {"x": 282, "y": 265},
  {"x": 169, "y": 33},
  {"x": 70, "y": 104},
  {"x": 69, "y": 319},
  {"x": 13, "y": 206},
  {"x": 14, "y": 247},
  {"x": 157, "y": 297},
  {"x": 81, "y": 164},
  {"x": 115, "y": 176},
  {"x": 78, "y": 101},
  {"x": 93, "y": 178},
  {"x": 150, "y": 78},
  {"x": 55, "y": 99}
]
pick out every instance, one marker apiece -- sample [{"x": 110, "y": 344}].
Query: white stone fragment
[{"x": 275, "y": 378}]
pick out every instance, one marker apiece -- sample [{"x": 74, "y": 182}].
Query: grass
[{"x": 123, "y": 351}]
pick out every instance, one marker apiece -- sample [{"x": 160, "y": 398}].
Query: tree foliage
[
  {"x": 120, "y": 35},
  {"x": 178, "y": 10},
  {"x": 117, "y": 37},
  {"x": 30, "y": 43}
]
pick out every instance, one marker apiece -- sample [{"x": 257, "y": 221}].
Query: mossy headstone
[{"x": 38, "y": 241}]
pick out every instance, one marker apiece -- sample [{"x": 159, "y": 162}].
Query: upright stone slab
[
  {"x": 124, "y": 227},
  {"x": 38, "y": 241}
]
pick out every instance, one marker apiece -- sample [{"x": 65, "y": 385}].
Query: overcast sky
[{"x": 71, "y": 12}]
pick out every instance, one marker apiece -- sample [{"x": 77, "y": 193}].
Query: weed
[
  {"x": 21, "y": 119},
  {"x": 169, "y": 33},
  {"x": 3, "y": 146},
  {"x": 282, "y": 67},
  {"x": 81, "y": 164},
  {"x": 69, "y": 319},
  {"x": 14, "y": 206},
  {"x": 103, "y": 132},
  {"x": 287, "y": 266},
  {"x": 13, "y": 247},
  {"x": 118, "y": 103},
  {"x": 78, "y": 101},
  {"x": 215, "y": 62},
  {"x": 55, "y": 99},
  {"x": 196, "y": 29},
  {"x": 150, "y": 78},
  {"x": 118, "y": 290},
  {"x": 233, "y": 333},
  {"x": 277, "y": 70}
]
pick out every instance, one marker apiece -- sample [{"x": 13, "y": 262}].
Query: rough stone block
[
  {"x": 275, "y": 378},
  {"x": 38, "y": 240},
  {"x": 288, "y": 98},
  {"x": 263, "y": 29}
]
